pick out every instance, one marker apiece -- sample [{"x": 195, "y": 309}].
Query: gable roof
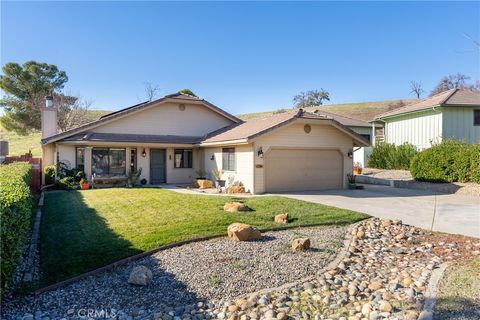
[
  {"x": 452, "y": 97},
  {"x": 255, "y": 127},
  {"x": 176, "y": 97}
]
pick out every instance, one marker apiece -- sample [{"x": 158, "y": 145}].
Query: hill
[
  {"x": 362, "y": 110},
  {"x": 21, "y": 144}
]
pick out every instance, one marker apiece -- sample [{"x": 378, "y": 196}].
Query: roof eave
[{"x": 381, "y": 117}]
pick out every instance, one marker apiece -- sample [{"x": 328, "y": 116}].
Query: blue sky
[{"x": 244, "y": 56}]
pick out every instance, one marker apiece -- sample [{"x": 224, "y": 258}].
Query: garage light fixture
[
  {"x": 144, "y": 153},
  {"x": 260, "y": 152}
]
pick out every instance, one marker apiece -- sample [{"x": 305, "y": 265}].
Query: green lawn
[{"x": 83, "y": 230}]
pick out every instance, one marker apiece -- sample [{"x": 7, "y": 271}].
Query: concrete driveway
[{"x": 453, "y": 213}]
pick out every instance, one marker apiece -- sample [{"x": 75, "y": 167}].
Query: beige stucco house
[
  {"x": 173, "y": 137},
  {"x": 451, "y": 114}
]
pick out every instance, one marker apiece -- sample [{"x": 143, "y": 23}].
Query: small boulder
[
  {"x": 301, "y": 244},
  {"x": 140, "y": 276},
  {"x": 243, "y": 232},
  {"x": 385, "y": 306},
  {"x": 235, "y": 207},
  {"x": 281, "y": 218}
]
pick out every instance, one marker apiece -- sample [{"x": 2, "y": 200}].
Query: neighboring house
[
  {"x": 451, "y": 114},
  {"x": 175, "y": 136}
]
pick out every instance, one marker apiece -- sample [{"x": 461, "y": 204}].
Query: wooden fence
[{"x": 36, "y": 168}]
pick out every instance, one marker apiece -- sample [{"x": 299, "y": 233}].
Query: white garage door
[{"x": 303, "y": 169}]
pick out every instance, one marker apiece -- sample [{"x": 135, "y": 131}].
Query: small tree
[
  {"x": 311, "y": 98},
  {"x": 416, "y": 88},
  {"x": 187, "y": 91}
]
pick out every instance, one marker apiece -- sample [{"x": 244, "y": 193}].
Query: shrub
[
  {"x": 49, "y": 174},
  {"x": 15, "y": 216},
  {"x": 389, "y": 156},
  {"x": 449, "y": 161},
  {"x": 66, "y": 183}
]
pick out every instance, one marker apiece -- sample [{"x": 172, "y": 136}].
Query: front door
[{"x": 157, "y": 166}]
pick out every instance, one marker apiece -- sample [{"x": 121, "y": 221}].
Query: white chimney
[{"x": 49, "y": 118}]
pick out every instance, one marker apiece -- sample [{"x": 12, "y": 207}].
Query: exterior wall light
[
  {"x": 212, "y": 157},
  {"x": 144, "y": 153},
  {"x": 350, "y": 154},
  {"x": 260, "y": 152}
]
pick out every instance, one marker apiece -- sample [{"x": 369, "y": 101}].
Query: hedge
[
  {"x": 449, "y": 161},
  {"x": 389, "y": 156},
  {"x": 15, "y": 215}
]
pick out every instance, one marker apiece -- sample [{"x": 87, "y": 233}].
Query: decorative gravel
[{"x": 186, "y": 276}]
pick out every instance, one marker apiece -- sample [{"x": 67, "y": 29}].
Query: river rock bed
[
  {"x": 383, "y": 276},
  {"x": 187, "y": 280}
]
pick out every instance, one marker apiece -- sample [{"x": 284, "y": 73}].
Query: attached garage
[{"x": 303, "y": 169}]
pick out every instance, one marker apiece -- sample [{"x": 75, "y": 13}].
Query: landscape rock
[
  {"x": 301, "y": 244},
  {"x": 235, "y": 207},
  {"x": 243, "y": 232},
  {"x": 281, "y": 218},
  {"x": 140, "y": 276}
]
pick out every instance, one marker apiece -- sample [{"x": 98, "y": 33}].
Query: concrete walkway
[{"x": 453, "y": 213}]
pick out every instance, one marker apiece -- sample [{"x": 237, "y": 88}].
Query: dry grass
[
  {"x": 363, "y": 110},
  {"x": 460, "y": 291},
  {"x": 21, "y": 144}
]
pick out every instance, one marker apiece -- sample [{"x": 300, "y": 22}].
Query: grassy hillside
[
  {"x": 363, "y": 110},
  {"x": 21, "y": 144}
]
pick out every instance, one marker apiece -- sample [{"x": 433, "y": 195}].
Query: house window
[
  {"x": 366, "y": 136},
  {"x": 476, "y": 117},
  {"x": 228, "y": 159},
  {"x": 108, "y": 161},
  {"x": 183, "y": 158},
  {"x": 80, "y": 158}
]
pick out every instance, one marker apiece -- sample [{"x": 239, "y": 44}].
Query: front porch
[{"x": 110, "y": 164}]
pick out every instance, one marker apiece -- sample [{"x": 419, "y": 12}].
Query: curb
[
  {"x": 431, "y": 293},
  {"x": 139, "y": 256}
]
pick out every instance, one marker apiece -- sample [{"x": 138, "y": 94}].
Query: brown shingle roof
[
  {"x": 143, "y": 138},
  {"x": 452, "y": 97},
  {"x": 255, "y": 127},
  {"x": 123, "y": 112}
]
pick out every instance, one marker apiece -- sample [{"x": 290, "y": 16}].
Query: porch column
[
  {"x": 373, "y": 133},
  {"x": 128, "y": 160},
  {"x": 88, "y": 163}
]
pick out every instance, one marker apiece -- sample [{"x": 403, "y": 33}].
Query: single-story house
[
  {"x": 174, "y": 137},
  {"x": 451, "y": 114}
]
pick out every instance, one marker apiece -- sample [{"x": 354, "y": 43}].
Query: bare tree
[
  {"x": 151, "y": 91},
  {"x": 453, "y": 81},
  {"x": 416, "y": 88},
  {"x": 72, "y": 111},
  {"x": 311, "y": 98}
]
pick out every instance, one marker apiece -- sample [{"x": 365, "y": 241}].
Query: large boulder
[
  {"x": 243, "y": 232},
  {"x": 235, "y": 207},
  {"x": 140, "y": 276},
  {"x": 301, "y": 244},
  {"x": 281, "y": 218}
]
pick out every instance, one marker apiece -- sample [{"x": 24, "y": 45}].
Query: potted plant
[
  {"x": 351, "y": 181},
  {"x": 133, "y": 177},
  {"x": 84, "y": 184},
  {"x": 357, "y": 168},
  {"x": 219, "y": 183}
]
